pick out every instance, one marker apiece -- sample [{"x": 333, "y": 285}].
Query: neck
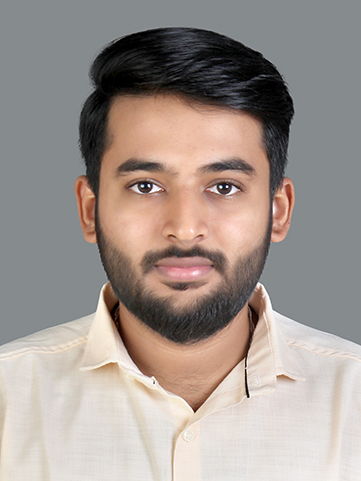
[{"x": 191, "y": 371}]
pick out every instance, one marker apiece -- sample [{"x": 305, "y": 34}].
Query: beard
[{"x": 201, "y": 318}]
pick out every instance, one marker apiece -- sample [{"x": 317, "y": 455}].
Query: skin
[{"x": 187, "y": 206}]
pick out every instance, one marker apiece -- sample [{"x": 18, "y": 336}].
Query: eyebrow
[
  {"x": 235, "y": 164},
  {"x": 133, "y": 165}
]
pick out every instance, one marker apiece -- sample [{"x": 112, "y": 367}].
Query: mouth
[{"x": 185, "y": 269}]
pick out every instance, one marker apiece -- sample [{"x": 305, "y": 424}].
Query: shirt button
[{"x": 188, "y": 435}]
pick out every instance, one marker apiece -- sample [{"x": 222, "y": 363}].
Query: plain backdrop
[{"x": 50, "y": 275}]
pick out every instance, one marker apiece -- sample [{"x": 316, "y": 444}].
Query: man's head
[{"x": 179, "y": 199}]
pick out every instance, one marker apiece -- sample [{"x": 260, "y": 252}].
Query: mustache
[{"x": 218, "y": 259}]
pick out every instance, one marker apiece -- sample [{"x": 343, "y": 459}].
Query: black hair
[{"x": 199, "y": 65}]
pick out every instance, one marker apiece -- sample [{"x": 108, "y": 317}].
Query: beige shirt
[{"x": 73, "y": 406}]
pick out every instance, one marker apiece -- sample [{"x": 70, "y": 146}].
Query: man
[{"x": 184, "y": 372}]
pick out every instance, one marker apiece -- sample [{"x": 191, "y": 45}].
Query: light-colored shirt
[{"x": 73, "y": 406}]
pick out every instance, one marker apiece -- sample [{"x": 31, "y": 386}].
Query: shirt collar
[
  {"x": 104, "y": 345},
  {"x": 269, "y": 355}
]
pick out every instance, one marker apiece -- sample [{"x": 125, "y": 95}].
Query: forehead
[{"x": 181, "y": 134}]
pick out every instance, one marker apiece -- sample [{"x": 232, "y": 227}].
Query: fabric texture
[{"x": 74, "y": 406}]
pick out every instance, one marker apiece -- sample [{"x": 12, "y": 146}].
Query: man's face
[{"x": 183, "y": 213}]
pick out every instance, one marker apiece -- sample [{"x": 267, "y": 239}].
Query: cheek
[
  {"x": 128, "y": 229},
  {"x": 242, "y": 230}
]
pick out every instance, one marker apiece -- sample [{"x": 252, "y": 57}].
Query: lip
[{"x": 184, "y": 269}]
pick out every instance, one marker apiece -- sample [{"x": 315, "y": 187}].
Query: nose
[{"x": 185, "y": 220}]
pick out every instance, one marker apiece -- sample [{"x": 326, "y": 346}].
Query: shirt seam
[
  {"x": 322, "y": 351},
  {"x": 41, "y": 350}
]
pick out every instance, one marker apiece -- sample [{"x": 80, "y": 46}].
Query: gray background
[{"x": 50, "y": 275}]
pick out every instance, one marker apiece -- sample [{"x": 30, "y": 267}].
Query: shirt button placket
[{"x": 186, "y": 455}]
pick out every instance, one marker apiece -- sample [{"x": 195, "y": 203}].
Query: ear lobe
[
  {"x": 283, "y": 203},
  {"x": 86, "y": 208}
]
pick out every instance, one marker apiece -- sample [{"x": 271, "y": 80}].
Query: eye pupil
[
  {"x": 145, "y": 187},
  {"x": 224, "y": 188}
]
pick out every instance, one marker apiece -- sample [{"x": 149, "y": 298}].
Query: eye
[
  {"x": 224, "y": 188},
  {"x": 145, "y": 187}
]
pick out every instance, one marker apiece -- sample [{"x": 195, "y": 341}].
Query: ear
[
  {"x": 86, "y": 208},
  {"x": 283, "y": 203}
]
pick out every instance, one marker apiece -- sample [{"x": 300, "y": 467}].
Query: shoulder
[
  {"x": 317, "y": 343},
  {"x": 61, "y": 338}
]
